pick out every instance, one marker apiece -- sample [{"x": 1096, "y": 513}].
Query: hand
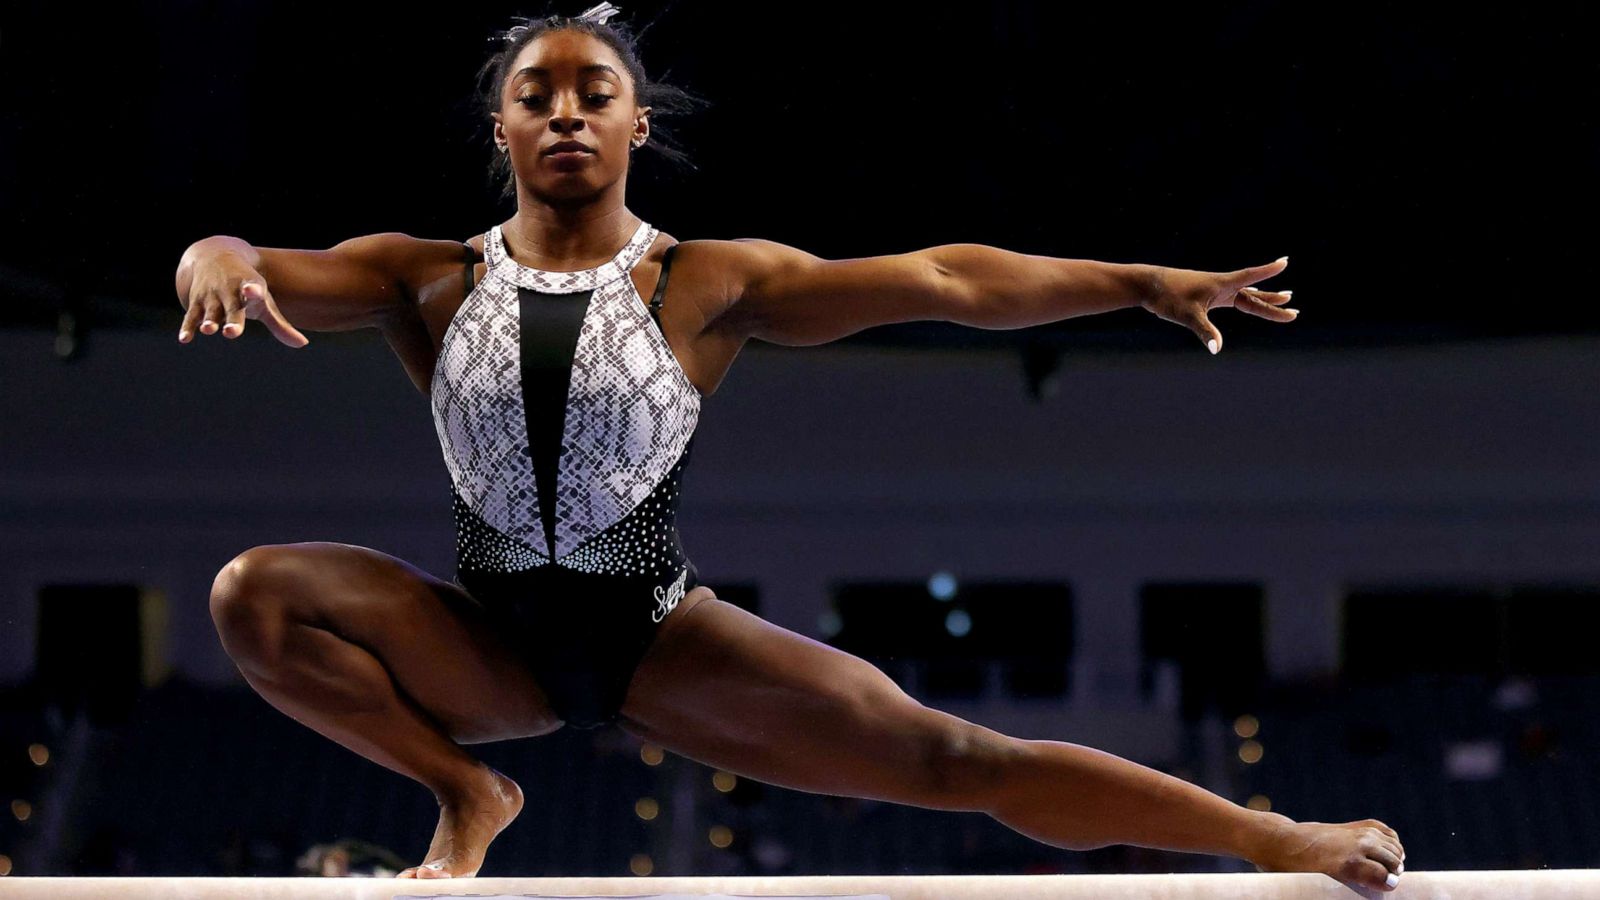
[
  {"x": 1366, "y": 854},
  {"x": 1185, "y": 296},
  {"x": 224, "y": 291}
]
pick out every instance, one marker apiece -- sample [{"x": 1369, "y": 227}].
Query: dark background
[
  {"x": 1428, "y": 169},
  {"x": 1364, "y": 543}
]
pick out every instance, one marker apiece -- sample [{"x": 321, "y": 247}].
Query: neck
[{"x": 568, "y": 236}]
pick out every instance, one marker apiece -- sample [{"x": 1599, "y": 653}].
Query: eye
[{"x": 598, "y": 99}]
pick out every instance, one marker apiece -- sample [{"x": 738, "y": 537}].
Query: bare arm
[
  {"x": 787, "y": 296},
  {"x": 358, "y": 283}
]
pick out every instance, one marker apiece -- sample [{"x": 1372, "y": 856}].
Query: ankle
[{"x": 473, "y": 785}]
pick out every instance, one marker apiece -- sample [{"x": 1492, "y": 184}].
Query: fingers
[
  {"x": 1269, "y": 296},
  {"x": 227, "y": 312},
  {"x": 1254, "y": 274},
  {"x": 1259, "y": 306},
  {"x": 233, "y": 316},
  {"x": 213, "y": 314},
  {"x": 191, "y": 319}
]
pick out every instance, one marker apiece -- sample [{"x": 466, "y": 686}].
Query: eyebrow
[{"x": 541, "y": 70}]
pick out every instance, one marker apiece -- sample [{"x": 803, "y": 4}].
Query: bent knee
[{"x": 258, "y": 589}]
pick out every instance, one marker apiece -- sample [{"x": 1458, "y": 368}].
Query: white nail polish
[
  {"x": 1287, "y": 293},
  {"x": 1212, "y": 346},
  {"x": 1392, "y": 880}
]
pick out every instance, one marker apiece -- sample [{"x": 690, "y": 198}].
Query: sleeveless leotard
[{"x": 566, "y": 421}]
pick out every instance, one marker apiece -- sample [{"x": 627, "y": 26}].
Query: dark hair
[{"x": 664, "y": 99}]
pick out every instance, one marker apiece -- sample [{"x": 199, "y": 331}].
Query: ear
[
  {"x": 499, "y": 128},
  {"x": 642, "y": 129}
]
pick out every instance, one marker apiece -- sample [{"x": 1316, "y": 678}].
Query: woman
[{"x": 566, "y": 405}]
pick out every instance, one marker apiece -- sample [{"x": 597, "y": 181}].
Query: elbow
[{"x": 956, "y": 298}]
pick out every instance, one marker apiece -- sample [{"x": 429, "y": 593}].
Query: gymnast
[{"x": 565, "y": 406}]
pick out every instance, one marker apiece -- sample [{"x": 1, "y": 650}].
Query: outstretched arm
[{"x": 787, "y": 296}]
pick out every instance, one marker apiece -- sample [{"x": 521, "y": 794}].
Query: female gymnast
[{"x": 565, "y": 405}]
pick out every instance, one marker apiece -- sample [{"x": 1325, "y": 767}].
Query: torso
[{"x": 705, "y": 356}]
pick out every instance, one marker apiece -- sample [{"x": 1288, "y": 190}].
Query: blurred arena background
[{"x": 1346, "y": 568}]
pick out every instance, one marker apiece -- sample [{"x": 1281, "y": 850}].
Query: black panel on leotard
[{"x": 549, "y": 326}]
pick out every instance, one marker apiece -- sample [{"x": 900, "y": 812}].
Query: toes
[
  {"x": 1371, "y": 873},
  {"x": 1374, "y": 823}
]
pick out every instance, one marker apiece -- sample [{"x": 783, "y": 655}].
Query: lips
[{"x": 568, "y": 147}]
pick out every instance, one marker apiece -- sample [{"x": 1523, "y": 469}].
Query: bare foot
[
  {"x": 466, "y": 826},
  {"x": 1366, "y": 853}
]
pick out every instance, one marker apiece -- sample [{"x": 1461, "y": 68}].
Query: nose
[{"x": 564, "y": 119}]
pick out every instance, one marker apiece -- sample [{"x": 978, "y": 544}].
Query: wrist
[{"x": 1144, "y": 283}]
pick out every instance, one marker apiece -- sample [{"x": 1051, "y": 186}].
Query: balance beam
[{"x": 1545, "y": 884}]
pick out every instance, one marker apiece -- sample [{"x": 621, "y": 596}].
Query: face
[{"x": 565, "y": 87}]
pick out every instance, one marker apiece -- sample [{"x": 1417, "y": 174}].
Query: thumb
[
  {"x": 271, "y": 317},
  {"x": 1209, "y": 334}
]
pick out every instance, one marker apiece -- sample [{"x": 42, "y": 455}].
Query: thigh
[
  {"x": 440, "y": 646},
  {"x": 729, "y": 689}
]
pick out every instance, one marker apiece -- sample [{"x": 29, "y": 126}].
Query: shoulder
[
  {"x": 419, "y": 262},
  {"x": 731, "y": 268},
  {"x": 411, "y": 261},
  {"x": 745, "y": 258}
]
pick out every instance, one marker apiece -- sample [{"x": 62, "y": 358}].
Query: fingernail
[
  {"x": 1283, "y": 259},
  {"x": 1392, "y": 880},
  {"x": 1212, "y": 346},
  {"x": 1291, "y": 309},
  {"x": 183, "y": 333},
  {"x": 435, "y": 865},
  {"x": 1287, "y": 293},
  {"x": 1400, "y": 869}
]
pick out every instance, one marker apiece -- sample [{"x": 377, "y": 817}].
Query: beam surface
[{"x": 1546, "y": 884}]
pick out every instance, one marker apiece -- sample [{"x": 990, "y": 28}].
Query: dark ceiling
[{"x": 1430, "y": 170}]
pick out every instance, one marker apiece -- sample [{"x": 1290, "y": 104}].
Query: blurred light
[
  {"x": 829, "y": 623},
  {"x": 958, "y": 622},
  {"x": 5, "y": 864},
  {"x": 1246, "y": 726},
  {"x": 1260, "y": 803},
  {"x": 1250, "y": 752},
  {"x": 1040, "y": 370},
  {"x": 724, "y": 781},
  {"x": 22, "y": 809},
  {"x": 652, "y": 755},
  {"x": 641, "y": 864},
  {"x": 721, "y": 835},
  {"x": 67, "y": 342},
  {"x": 646, "y": 808},
  {"x": 39, "y": 753},
  {"x": 942, "y": 586}
]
